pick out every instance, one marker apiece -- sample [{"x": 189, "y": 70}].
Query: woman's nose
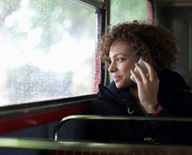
[{"x": 112, "y": 67}]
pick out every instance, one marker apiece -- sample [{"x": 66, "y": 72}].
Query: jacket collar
[
  {"x": 112, "y": 92},
  {"x": 121, "y": 96}
]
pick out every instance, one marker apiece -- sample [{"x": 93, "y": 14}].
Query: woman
[{"x": 157, "y": 91}]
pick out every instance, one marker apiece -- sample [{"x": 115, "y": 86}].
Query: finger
[
  {"x": 151, "y": 71},
  {"x": 142, "y": 72},
  {"x": 155, "y": 75}
]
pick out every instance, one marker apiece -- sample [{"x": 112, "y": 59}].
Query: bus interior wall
[{"x": 177, "y": 17}]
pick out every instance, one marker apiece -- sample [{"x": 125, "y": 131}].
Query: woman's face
[{"x": 122, "y": 61}]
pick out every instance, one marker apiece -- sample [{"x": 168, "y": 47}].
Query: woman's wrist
[
  {"x": 151, "y": 108},
  {"x": 158, "y": 110}
]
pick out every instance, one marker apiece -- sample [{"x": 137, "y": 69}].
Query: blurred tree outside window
[
  {"x": 47, "y": 50},
  {"x": 128, "y": 11}
]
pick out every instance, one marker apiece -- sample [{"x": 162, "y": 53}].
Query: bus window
[
  {"x": 47, "y": 50},
  {"x": 129, "y": 10}
]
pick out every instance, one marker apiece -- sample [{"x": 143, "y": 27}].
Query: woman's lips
[{"x": 116, "y": 78}]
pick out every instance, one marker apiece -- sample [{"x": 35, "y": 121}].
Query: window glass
[
  {"x": 128, "y": 10},
  {"x": 47, "y": 50}
]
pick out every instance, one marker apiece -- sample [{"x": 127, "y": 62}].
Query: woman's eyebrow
[{"x": 120, "y": 54}]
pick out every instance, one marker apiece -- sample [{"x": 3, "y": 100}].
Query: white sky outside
[{"x": 66, "y": 55}]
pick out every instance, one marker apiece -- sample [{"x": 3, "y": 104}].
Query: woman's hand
[{"x": 147, "y": 86}]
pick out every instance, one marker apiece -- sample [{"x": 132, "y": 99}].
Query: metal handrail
[
  {"x": 117, "y": 118},
  {"x": 43, "y": 144}
]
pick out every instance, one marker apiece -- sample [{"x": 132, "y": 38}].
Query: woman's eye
[{"x": 120, "y": 59}]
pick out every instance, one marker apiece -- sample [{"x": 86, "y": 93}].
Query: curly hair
[{"x": 155, "y": 44}]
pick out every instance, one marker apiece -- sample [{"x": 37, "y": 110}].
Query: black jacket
[{"x": 175, "y": 98}]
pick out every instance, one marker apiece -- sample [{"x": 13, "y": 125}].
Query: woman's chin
[
  {"x": 118, "y": 85},
  {"x": 121, "y": 85}
]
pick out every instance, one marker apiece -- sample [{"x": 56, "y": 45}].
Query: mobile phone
[{"x": 140, "y": 62}]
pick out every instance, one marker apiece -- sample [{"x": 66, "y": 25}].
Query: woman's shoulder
[
  {"x": 174, "y": 93},
  {"x": 171, "y": 83}
]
